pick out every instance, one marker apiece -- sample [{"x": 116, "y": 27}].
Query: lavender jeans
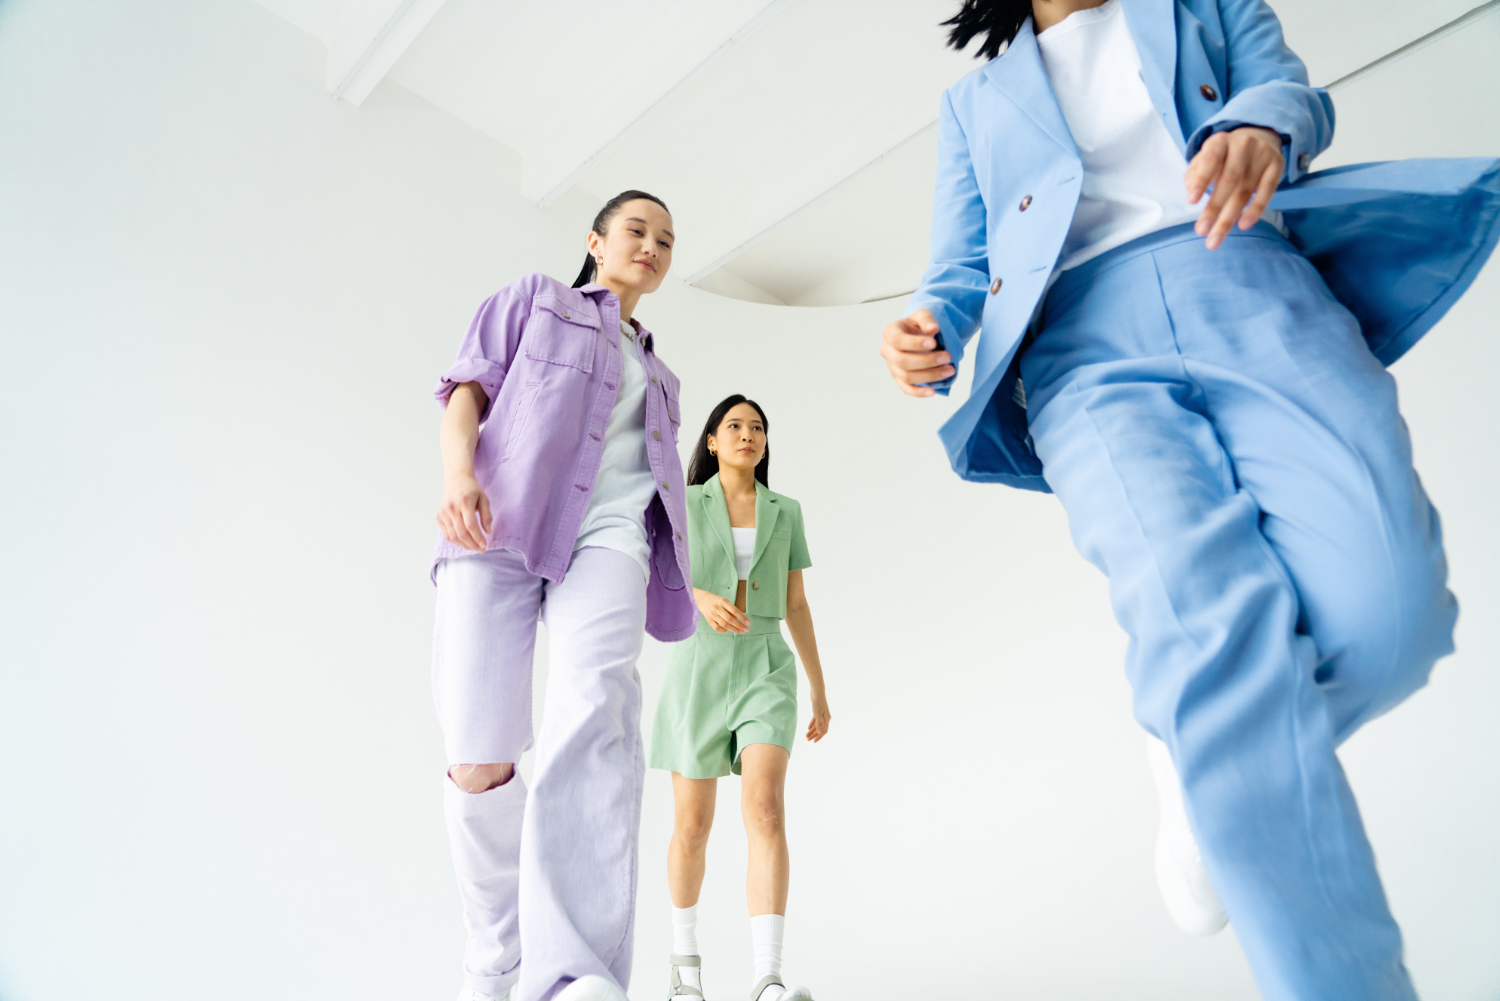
[{"x": 549, "y": 873}]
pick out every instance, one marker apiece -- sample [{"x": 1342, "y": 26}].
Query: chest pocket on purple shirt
[
  {"x": 672, "y": 390},
  {"x": 561, "y": 334},
  {"x": 559, "y": 343}
]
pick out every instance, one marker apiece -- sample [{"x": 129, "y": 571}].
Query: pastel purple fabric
[{"x": 548, "y": 358}]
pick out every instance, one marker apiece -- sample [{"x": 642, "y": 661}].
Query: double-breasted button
[
  {"x": 656, "y": 435},
  {"x": 995, "y": 286},
  {"x": 1025, "y": 203},
  {"x": 1304, "y": 160},
  {"x": 1208, "y": 92},
  {"x": 755, "y": 585}
]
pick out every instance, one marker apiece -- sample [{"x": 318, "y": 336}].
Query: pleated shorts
[{"x": 723, "y": 692}]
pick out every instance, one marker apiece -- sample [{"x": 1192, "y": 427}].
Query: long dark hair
[
  {"x": 997, "y": 20},
  {"x": 704, "y": 464},
  {"x": 601, "y": 226}
]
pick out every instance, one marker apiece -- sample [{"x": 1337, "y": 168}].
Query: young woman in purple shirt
[{"x": 562, "y": 498}]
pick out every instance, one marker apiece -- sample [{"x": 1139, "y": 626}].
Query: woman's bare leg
[
  {"x": 687, "y": 854},
  {"x": 763, "y": 803}
]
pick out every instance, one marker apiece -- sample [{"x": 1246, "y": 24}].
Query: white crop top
[{"x": 744, "y": 550}]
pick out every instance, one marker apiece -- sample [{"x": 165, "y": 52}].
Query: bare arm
[
  {"x": 800, "y": 624},
  {"x": 464, "y": 514}
]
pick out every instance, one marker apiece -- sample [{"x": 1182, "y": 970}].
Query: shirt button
[
  {"x": 567, "y": 315},
  {"x": 679, "y": 536},
  {"x": 1304, "y": 161},
  {"x": 1025, "y": 203},
  {"x": 653, "y": 378},
  {"x": 656, "y": 435},
  {"x": 755, "y": 585},
  {"x": 995, "y": 286},
  {"x": 665, "y": 485},
  {"x": 1208, "y": 92}
]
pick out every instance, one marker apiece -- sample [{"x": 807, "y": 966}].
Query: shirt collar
[{"x": 646, "y": 338}]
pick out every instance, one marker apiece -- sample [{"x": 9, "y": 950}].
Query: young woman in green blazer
[{"x": 729, "y": 703}]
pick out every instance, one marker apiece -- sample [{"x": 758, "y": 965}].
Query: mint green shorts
[{"x": 723, "y": 692}]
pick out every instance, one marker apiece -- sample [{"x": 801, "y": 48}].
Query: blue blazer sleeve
[
  {"x": 956, "y": 280},
  {"x": 1268, "y": 87}
]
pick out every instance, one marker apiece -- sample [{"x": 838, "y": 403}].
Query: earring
[
  {"x": 713, "y": 452},
  {"x": 599, "y": 261}
]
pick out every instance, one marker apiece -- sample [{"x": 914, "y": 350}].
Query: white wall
[{"x": 223, "y": 301}]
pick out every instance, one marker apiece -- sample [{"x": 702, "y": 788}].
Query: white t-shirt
[
  {"x": 1132, "y": 170},
  {"x": 744, "y": 550},
  {"x": 616, "y": 515}
]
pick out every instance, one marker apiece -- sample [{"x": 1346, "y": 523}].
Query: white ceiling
[{"x": 792, "y": 139}]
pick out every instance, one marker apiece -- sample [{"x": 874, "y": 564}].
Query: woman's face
[
  {"x": 741, "y": 439},
  {"x": 637, "y": 249}
]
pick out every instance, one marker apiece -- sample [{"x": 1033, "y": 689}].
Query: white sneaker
[
  {"x": 1180, "y": 876},
  {"x": 468, "y": 995},
  {"x": 772, "y": 989},
  {"x": 591, "y": 988}
]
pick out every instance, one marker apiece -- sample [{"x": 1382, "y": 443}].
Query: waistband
[
  {"x": 1075, "y": 278},
  {"x": 760, "y": 625}
]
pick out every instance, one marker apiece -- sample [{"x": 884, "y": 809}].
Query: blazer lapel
[
  {"x": 717, "y": 513},
  {"x": 1153, "y": 24},
  {"x": 766, "y": 510},
  {"x": 1019, "y": 74}
]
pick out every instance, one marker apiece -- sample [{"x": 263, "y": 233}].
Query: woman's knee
[
  {"x": 691, "y": 829},
  {"x": 764, "y": 814},
  {"x": 481, "y": 778}
]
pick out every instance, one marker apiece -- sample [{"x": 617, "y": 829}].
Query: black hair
[
  {"x": 704, "y": 464},
  {"x": 997, "y": 20},
  {"x": 601, "y": 226}
]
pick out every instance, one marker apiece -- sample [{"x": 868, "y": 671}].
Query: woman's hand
[
  {"x": 817, "y": 727},
  {"x": 721, "y": 613},
  {"x": 1243, "y": 166},
  {"x": 464, "y": 514},
  {"x": 909, "y": 347}
]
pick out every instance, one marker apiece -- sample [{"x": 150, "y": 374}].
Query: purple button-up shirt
[{"x": 549, "y": 360}]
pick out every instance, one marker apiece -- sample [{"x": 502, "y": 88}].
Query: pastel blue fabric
[
  {"x": 1235, "y": 463},
  {"x": 1397, "y": 243}
]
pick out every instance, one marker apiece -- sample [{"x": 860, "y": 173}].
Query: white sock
[
  {"x": 765, "y": 936},
  {"x": 685, "y": 942}
]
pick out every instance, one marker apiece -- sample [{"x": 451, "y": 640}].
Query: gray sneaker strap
[
  {"x": 765, "y": 982},
  {"x": 680, "y": 989}
]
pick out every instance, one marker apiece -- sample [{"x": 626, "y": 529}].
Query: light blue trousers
[{"x": 1231, "y": 456}]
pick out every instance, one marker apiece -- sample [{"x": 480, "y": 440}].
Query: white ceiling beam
[
  {"x": 1457, "y": 23},
  {"x": 556, "y": 178},
  {"x": 370, "y": 38},
  {"x": 740, "y": 248}
]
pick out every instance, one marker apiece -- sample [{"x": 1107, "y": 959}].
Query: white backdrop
[{"x": 223, "y": 301}]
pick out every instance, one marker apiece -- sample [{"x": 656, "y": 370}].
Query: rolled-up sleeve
[
  {"x": 1268, "y": 88},
  {"x": 485, "y": 354}
]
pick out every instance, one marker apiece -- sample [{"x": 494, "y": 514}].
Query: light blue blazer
[{"x": 1397, "y": 242}]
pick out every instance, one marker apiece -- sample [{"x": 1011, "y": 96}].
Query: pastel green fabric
[
  {"x": 780, "y": 547},
  {"x": 724, "y": 692}
]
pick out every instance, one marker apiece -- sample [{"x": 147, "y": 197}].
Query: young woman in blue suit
[{"x": 1185, "y": 338}]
